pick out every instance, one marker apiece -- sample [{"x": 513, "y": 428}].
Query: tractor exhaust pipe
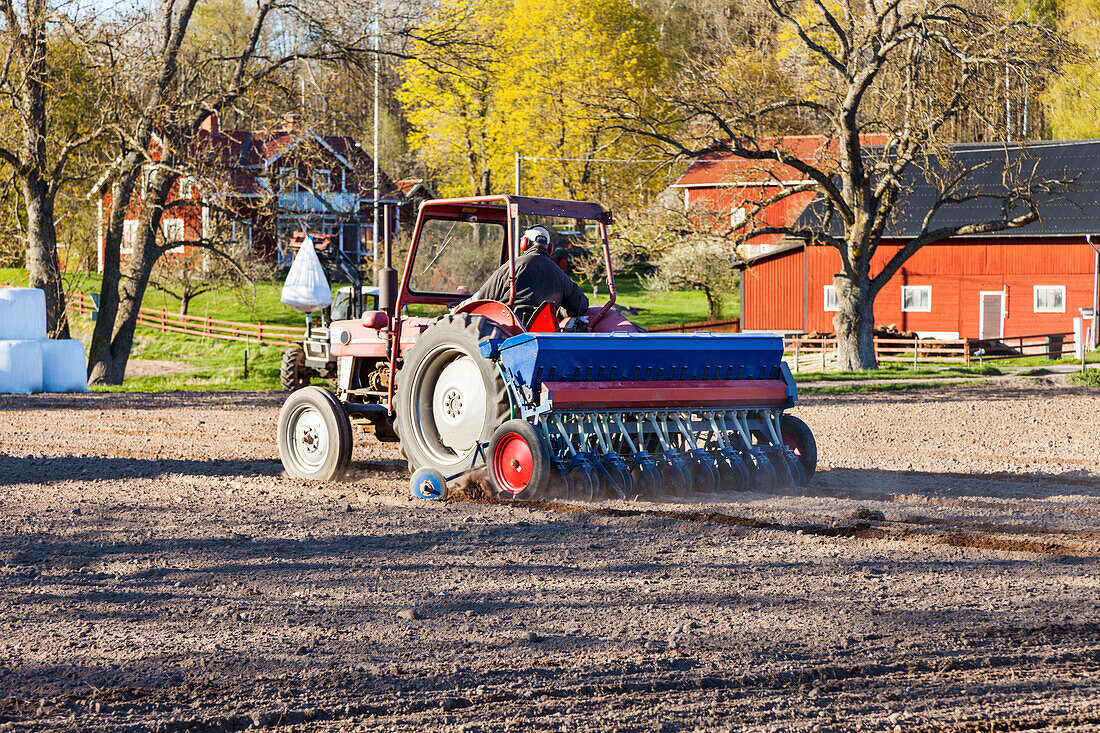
[{"x": 387, "y": 276}]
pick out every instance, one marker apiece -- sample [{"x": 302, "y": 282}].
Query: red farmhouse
[
  {"x": 274, "y": 183},
  {"x": 1027, "y": 281}
]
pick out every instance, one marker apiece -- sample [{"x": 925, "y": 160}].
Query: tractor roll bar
[{"x": 505, "y": 210}]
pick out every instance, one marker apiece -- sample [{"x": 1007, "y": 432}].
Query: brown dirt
[{"x": 159, "y": 573}]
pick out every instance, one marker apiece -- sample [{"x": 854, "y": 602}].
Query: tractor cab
[{"x": 459, "y": 243}]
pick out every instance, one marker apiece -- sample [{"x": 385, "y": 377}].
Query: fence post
[
  {"x": 916, "y": 353},
  {"x": 795, "y": 342},
  {"x": 259, "y": 333},
  {"x": 824, "y": 343}
]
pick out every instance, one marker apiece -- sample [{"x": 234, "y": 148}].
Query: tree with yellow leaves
[
  {"x": 449, "y": 98},
  {"x": 1072, "y": 98},
  {"x": 536, "y": 89}
]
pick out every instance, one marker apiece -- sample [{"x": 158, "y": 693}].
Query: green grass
[
  {"x": 13, "y": 277},
  {"x": 204, "y": 381},
  {"x": 1088, "y": 378},
  {"x": 664, "y": 308},
  {"x": 894, "y": 387},
  {"x": 261, "y": 304},
  {"x": 895, "y": 372},
  {"x": 219, "y": 365},
  {"x": 1092, "y": 357}
]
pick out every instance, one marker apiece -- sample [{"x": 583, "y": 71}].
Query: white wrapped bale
[
  {"x": 20, "y": 366},
  {"x": 64, "y": 368},
  {"x": 22, "y": 314}
]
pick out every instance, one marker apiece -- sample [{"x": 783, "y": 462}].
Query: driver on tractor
[{"x": 538, "y": 280}]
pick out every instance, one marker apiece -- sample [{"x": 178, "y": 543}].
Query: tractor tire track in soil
[{"x": 160, "y": 574}]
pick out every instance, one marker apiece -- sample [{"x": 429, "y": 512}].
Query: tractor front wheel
[
  {"x": 314, "y": 436},
  {"x": 293, "y": 372}
]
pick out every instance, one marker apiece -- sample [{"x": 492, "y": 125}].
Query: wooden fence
[
  {"x": 166, "y": 321},
  {"x": 820, "y": 354},
  {"x": 1050, "y": 345},
  {"x": 726, "y": 326}
]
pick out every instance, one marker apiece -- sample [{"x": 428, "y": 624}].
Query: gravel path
[{"x": 159, "y": 573}]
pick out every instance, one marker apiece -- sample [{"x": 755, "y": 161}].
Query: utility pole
[
  {"x": 518, "y": 171},
  {"x": 377, "y": 76},
  {"x": 1095, "y": 294}
]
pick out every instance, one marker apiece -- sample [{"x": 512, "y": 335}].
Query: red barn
[
  {"x": 1026, "y": 281},
  {"x": 272, "y": 183},
  {"x": 726, "y": 184}
]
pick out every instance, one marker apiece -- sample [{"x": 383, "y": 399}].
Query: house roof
[
  {"x": 724, "y": 169},
  {"x": 244, "y": 155},
  {"x": 781, "y": 249},
  {"x": 1072, "y": 209},
  {"x": 411, "y": 186}
]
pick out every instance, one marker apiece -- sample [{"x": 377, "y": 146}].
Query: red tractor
[{"x": 579, "y": 408}]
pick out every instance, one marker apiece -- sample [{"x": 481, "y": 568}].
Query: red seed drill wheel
[{"x": 519, "y": 460}]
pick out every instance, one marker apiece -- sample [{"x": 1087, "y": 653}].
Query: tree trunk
[
  {"x": 102, "y": 367},
  {"x": 855, "y": 325},
  {"x": 42, "y": 263},
  {"x": 38, "y": 194},
  {"x": 714, "y": 304},
  {"x": 145, "y": 256}
]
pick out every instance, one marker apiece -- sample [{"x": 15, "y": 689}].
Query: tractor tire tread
[
  {"x": 481, "y": 329},
  {"x": 293, "y": 374}
]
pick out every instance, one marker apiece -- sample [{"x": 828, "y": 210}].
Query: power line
[{"x": 598, "y": 160}]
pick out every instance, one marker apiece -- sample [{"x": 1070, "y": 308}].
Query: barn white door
[{"x": 991, "y": 320}]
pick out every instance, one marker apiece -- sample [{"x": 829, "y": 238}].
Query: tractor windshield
[{"x": 453, "y": 254}]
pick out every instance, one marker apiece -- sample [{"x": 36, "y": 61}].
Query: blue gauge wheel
[{"x": 428, "y": 483}]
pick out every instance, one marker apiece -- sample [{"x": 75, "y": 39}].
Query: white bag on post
[{"x": 306, "y": 288}]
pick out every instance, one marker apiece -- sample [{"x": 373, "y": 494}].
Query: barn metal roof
[{"x": 1071, "y": 208}]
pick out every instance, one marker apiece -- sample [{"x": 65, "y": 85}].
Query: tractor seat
[{"x": 541, "y": 319}]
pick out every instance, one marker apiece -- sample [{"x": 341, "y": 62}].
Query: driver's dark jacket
[{"x": 538, "y": 280}]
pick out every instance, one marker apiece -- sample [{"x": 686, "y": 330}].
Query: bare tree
[
  {"x": 687, "y": 250},
  {"x": 904, "y": 70},
  {"x": 250, "y": 74},
  {"x": 55, "y": 115},
  {"x": 182, "y": 87}
]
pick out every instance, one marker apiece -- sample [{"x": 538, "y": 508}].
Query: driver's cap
[{"x": 538, "y": 235}]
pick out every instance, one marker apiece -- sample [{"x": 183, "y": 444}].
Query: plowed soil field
[{"x": 157, "y": 572}]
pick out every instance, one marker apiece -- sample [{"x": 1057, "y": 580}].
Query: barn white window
[
  {"x": 737, "y": 217},
  {"x": 173, "y": 232},
  {"x": 1050, "y": 298},
  {"x": 830, "y": 298},
  {"x": 130, "y": 228},
  {"x": 916, "y": 298},
  {"x": 187, "y": 188},
  {"x": 322, "y": 181}
]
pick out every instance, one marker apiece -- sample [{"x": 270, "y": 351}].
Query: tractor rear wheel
[
  {"x": 799, "y": 438},
  {"x": 450, "y": 399},
  {"x": 293, "y": 372},
  {"x": 314, "y": 436}
]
